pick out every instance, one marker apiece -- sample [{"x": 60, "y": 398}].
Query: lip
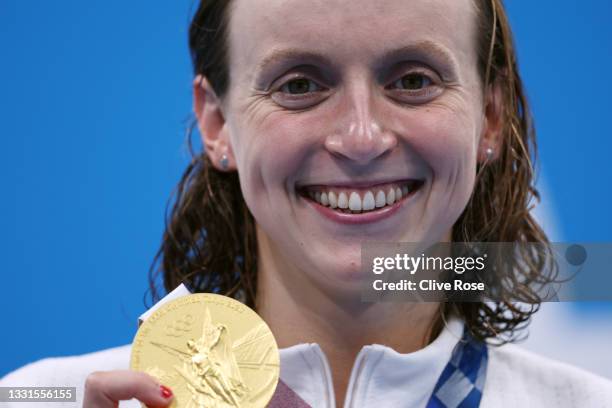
[
  {"x": 357, "y": 184},
  {"x": 362, "y": 218}
]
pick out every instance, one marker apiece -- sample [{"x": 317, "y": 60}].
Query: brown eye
[
  {"x": 299, "y": 86},
  {"x": 413, "y": 82}
]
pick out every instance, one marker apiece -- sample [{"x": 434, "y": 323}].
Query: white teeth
[
  {"x": 354, "y": 202},
  {"x": 343, "y": 201},
  {"x": 390, "y": 196},
  {"x": 324, "y": 199},
  {"x": 380, "y": 199},
  {"x": 368, "y": 201},
  {"x": 333, "y": 201}
]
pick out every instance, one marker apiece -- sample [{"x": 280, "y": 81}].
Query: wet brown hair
[{"x": 210, "y": 244}]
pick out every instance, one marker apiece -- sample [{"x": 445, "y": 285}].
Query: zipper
[
  {"x": 330, "y": 398},
  {"x": 354, "y": 384},
  {"x": 356, "y": 380}
]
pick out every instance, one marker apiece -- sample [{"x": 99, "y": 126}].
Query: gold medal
[{"x": 211, "y": 350}]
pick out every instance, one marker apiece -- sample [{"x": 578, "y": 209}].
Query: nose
[{"x": 360, "y": 137}]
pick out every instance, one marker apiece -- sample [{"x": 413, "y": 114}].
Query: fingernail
[{"x": 165, "y": 391}]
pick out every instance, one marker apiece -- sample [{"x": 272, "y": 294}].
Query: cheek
[
  {"x": 449, "y": 141},
  {"x": 270, "y": 152},
  {"x": 446, "y": 139}
]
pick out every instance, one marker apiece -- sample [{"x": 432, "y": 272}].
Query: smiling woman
[
  {"x": 326, "y": 124},
  {"x": 365, "y": 128}
]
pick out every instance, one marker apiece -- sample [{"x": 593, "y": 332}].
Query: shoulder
[
  {"x": 70, "y": 371},
  {"x": 517, "y": 377},
  {"x": 66, "y": 371}
]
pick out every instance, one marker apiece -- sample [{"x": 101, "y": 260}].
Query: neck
[{"x": 298, "y": 311}]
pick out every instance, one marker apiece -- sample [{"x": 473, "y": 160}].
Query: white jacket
[{"x": 380, "y": 377}]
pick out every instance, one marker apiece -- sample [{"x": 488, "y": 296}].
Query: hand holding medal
[{"x": 211, "y": 350}]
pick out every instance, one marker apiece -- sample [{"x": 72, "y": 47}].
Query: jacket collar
[{"x": 378, "y": 374}]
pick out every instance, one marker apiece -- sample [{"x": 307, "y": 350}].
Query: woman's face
[{"x": 355, "y": 104}]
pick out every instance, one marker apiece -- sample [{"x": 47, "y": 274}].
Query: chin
[{"x": 343, "y": 272}]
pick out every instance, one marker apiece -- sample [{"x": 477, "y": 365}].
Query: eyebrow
[
  {"x": 426, "y": 49},
  {"x": 291, "y": 54}
]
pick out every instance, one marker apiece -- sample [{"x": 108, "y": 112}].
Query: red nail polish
[{"x": 165, "y": 391}]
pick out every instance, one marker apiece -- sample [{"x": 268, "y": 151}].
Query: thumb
[{"x": 104, "y": 389}]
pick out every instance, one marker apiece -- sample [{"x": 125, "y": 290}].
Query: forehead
[{"x": 349, "y": 29}]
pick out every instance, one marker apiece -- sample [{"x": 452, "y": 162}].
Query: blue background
[{"x": 94, "y": 99}]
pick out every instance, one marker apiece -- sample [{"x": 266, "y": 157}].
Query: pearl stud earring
[{"x": 224, "y": 162}]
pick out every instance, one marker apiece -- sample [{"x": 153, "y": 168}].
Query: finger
[{"x": 103, "y": 389}]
